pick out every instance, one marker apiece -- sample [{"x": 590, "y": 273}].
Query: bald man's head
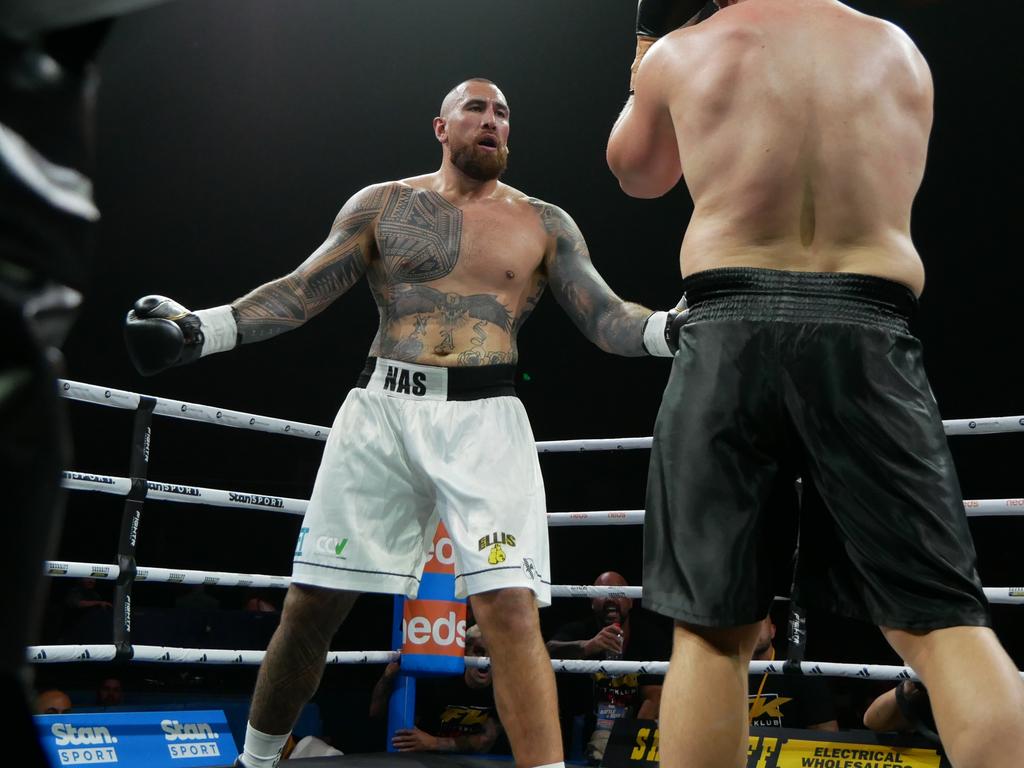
[
  {"x": 456, "y": 94},
  {"x": 611, "y": 610},
  {"x": 473, "y": 129}
]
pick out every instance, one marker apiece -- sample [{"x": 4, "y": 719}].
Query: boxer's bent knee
[
  {"x": 317, "y": 605},
  {"x": 724, "y": 641}
]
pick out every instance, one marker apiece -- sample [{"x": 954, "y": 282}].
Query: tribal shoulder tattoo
[
  {"x": 420, "y": 235},
  {"x": 332, "y": 269}
]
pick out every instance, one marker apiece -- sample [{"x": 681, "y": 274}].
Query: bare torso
[
  {"x": 802, "y": 129},
  {"x": 453, "y": 284}
]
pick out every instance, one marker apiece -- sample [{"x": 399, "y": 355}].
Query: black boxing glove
[
  {"x": 656, "y": 18},
  {"x": 161, "y": 333},
  {"x": 661, "y": 330}
]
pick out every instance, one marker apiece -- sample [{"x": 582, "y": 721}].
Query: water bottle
[{"x": 615, "y": 655}]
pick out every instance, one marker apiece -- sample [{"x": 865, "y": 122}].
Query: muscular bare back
[{"x": 802, "y": 129}]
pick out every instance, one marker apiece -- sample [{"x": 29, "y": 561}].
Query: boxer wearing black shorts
[
  {"x": 801, "y": 129},
  {"x": 818, "y": 374}
]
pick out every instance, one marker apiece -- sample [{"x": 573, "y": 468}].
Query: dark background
[{"x": 231, "y": 132}]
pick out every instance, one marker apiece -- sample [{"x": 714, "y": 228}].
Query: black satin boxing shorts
[{"x": 782, "y": 375}]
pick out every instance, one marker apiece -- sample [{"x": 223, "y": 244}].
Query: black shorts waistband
[
  {"x": 744, "y": 293},
  {"x": 464, "y": 382}
]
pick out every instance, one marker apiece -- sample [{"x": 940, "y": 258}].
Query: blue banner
[{"x": 181, "y": 739}]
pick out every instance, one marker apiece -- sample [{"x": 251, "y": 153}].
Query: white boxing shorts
[{"x": 414, "y": 444}]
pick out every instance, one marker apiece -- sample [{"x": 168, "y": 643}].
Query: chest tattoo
[{"x": 420, "y": 236}]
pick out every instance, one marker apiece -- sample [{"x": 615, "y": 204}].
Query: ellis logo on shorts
[{"x": 496, "y": 541}]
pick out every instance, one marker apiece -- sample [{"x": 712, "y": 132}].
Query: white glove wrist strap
[
  {"x": 219, "y": 329},
  {"x": 654, "y": 335}
]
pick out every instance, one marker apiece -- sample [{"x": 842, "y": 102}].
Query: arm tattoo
[
  {"x": 338, "y": 264},
  {"x": 611, "y": 323}
]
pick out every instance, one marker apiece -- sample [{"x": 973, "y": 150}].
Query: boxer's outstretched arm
[
  {"x": 612, "y": 324},
  {"x": 338, "y": 264}
]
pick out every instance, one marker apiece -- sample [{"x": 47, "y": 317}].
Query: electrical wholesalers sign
[{"x": 635, "y": 743}]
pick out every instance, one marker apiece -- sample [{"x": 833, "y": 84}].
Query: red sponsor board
[
  {"x": 434, "y": 625},
  {"x": 442, "y": 554}
]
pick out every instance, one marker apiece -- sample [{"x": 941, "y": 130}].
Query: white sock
[
  {"x": 262, "y": 750},
  {"x": 552, "y": 765}
]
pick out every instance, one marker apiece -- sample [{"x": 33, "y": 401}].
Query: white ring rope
[
  {"x": 54, "y": 654},
  {"x": 67, "y": 569},
  {"x": 822, "y": 668},
  {"x": 120, "y": 486},
  {"x": 605, "y": 517},
  {"x": 815, "y": 668},
  {"x": 173, "y": 492},
  {"x": 178, "y": 409}
]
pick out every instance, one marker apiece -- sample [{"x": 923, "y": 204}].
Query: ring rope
[
  {"x": 179, "y": 409},
  {"x": 972, "y": 507},
  {"x": 104, "y": 572},
  {"x": 52, "y": 654},
  {"x": 55, "y": 654},
  {"x": 810, "y": 668},
  {"x": 121, "y": 486}
]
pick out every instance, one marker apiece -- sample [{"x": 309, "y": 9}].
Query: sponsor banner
[
  {"x": 433, "y": 627},
  {"x": 138, "y": 739},
  {"x": 635, "y": 743},
  {"x": 434, "y": 624},
  {"x": 442, "y": 555}
]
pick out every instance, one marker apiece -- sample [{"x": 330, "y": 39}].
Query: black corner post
[
  {"x": 130, "y": 521},
  {"x": 796, "y": 635}
]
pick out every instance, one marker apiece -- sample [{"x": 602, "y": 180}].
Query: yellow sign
[
  {"x": 795, "y": 753},
  {"x": 646, "y": 748},
  {"x": 639, "y": 747}
]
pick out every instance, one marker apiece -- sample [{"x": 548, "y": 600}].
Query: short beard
[{"x": 482, "y": 166}]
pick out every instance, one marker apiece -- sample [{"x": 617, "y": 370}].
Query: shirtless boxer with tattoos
[{"x": 456, "y": 261}]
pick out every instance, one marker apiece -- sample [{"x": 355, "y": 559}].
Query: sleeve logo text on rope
[{"x": 251, "y": 498}]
